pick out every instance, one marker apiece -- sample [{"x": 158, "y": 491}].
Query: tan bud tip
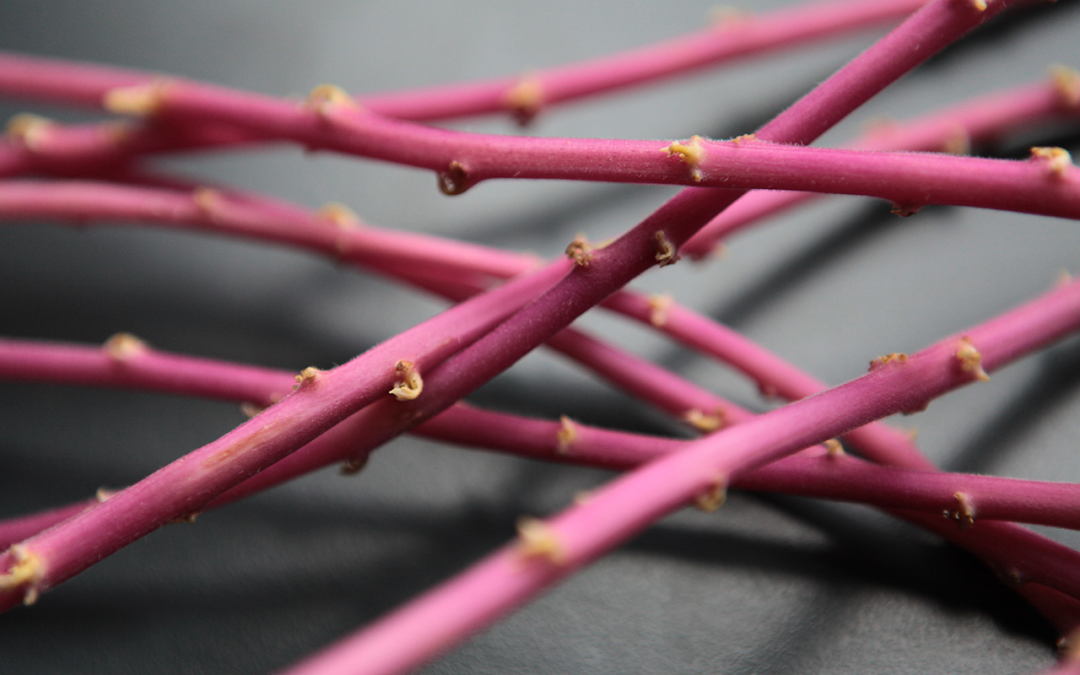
[
  {"x": 1058, "y": 160},
  {"x": 704, "y": 422},
  {"x": 103, "y": 494},
  {"x": 666, "y": 253},
  {"x": 141, "y": 100},
  {"x": 745, "y": 138},
  {"x": 965, "y": 511},
  {"x": 897, "y": 358},
  {"x": 659, "y": 304},
  {"x": 692, "y": 153},
  {"x": 565, "y": 436},
  {"x": 208, "y": 200},
  {"x": 833, "y": 448},
  {"x": 250, "y": 409},
  {"x": 351, "y": 467},
  {"x": 28, "y": 130},
  {"x": 726, "y": 16},
  {"x": 712, "y": 499},
  {"x": 123, "y": 347},
  {"x": 905, "y": 210},
  {"x": 189, "y": 518},
  {"x": 525, "y": 99},
  {"x": 325, "y": 97},
  {"x": 580, "y": 251},
  {"x": 980, "y": 5},
  {"x": 308, "y": 376},
  {"x": 409, "y": 383},
  {"x": 340, "y": 215},
  {"x": 1066, "y": 83},
  {"x": 970, "y": 360},
  {"x": 27, "y": 571},
  {"x": 958, "y": 142},
  {"x": 539, "y": 540},
  {"x": 454, "y": 180}
]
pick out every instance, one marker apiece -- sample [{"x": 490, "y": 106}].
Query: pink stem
[
  {"x": 322, "y": 400},
  {"x": 71, "y": 83},
  {"x": 952, "y": 130},
  {"x": 558, "y": 546}
]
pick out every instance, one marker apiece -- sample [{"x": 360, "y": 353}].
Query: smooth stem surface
[
  {"x": 558, "y": 546},
  {"x": 321, "y": 401}
]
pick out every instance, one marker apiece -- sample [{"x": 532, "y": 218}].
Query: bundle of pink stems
[{"x": 826, "y": 443}]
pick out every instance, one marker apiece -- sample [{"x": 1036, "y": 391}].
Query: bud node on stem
[
  {"x": 353, "y": 466},
  {"x": 27, "y": 571},
  {"x": 324, "y": 98},
  {"x": 28, "y": 130},
  {"x": 896, "y": 357},
  {"x": 704, "y": 422},
  {"x": 525, "y": 99},
  {"x": 454, "y": 180},
  {"x": 307, "y": 377},
  {"x": 1067, "y": 85},
  {"x": 540, "y": 540},
  {"x": 1058, "y": 160},
  {"x": 124, "y": 347},
  {"x": 833, "y": 448},
  {"x": 969, "y": 360},
  {"x": 340, "y": 215},
  {"x": 659, "y": 304},
  {"x": 692, "y": 153},
  {"x": 409, "y": 383},
  {"x": 566, "y": 435},
  {"x": 666, "y": 253},
  {"x": 141, "y": 100},
  {"x": 580, "y": 251},
  {"x": 713, "y": 498}
]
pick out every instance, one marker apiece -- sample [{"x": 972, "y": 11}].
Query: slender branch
[
  {"x": 552, "y": 549},
  {"x": 72, "y": 83},
  {"x": 321, "y": 401},
  {"x": 954, "y": 130}
]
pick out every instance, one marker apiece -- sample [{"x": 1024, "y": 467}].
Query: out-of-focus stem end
[
  {"x": 833, "y": 448},
  {"x": 124, "y": 347},
  {"x": 692, "y": 153},
  {"x": 325, "y": 98},
  {"x": 565, "y": 436},
  {"x": 27, "y": 572},
  {"x": 537, "y": 539},
  {"x": 409, "y": 384},
  {"x": 28, "y": 130},
  {"x": 525, "y": 99},
  {"x": 970, "y": 360},
  {"x": 1058, "y": 160},
  {"x": 351, "y": 467},
  {"x": 1066, "y": 83},
  {"x": 340, "y": 215},
  {"x": 659, "y": 304},
  {"x": 141, "y": 100},
  {"x": 712, "y": 499},
  {"x": 704, "y": 422}
]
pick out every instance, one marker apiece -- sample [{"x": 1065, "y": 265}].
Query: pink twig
[{"x": 550, "y": 550}]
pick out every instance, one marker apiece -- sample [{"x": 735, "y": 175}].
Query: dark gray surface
[{"x": 767, "y": 585}]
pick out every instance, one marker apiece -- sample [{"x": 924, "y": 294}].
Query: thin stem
[{"x": 554, "y": 548}]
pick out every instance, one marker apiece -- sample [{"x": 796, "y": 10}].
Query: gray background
[{"x": 767, "y": 585}]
